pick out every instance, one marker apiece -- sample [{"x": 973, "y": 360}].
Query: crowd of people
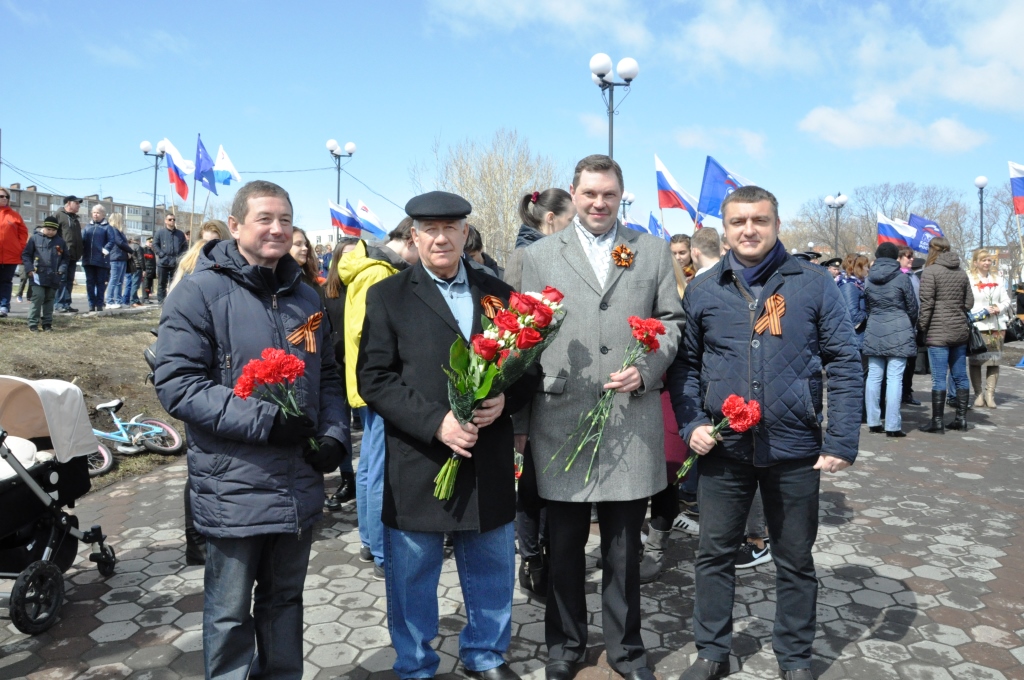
[{"x": 373, "y": 323}]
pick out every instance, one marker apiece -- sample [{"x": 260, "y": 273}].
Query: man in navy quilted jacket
[{"x": 762, "y": 325}]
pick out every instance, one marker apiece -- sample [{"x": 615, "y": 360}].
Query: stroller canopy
[{"x": 47, "y": 408}]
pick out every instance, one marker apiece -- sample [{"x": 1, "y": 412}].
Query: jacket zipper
[
  {"x": 752, "y": 312},
  {"x": 291, "y": 461}
]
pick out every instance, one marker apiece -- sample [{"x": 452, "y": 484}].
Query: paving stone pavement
[{"x": 919, "y": 557}]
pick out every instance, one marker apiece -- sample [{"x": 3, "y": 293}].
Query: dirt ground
[{"x": 103, "y": 356}]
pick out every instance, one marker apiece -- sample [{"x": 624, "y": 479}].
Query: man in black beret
[{"x": 412, "y": 318}]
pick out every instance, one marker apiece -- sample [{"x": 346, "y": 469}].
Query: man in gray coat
[{"x": 585, "y": 359}]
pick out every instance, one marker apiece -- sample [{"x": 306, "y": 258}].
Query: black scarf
[{"x": 760, "y": 272}]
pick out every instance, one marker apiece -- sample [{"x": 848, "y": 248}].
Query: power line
[
  {"x": 371, "y": 190},
  {"x": 277, "y": 172},
  {"x": 83, "y": 179}
]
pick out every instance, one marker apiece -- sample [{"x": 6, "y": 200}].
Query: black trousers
[
  {"x": 164, "y": 277},
  {"x": 531, "y": 516},
  {"x": 565, "y": 620}
]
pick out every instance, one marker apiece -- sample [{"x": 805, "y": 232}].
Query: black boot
[
  {"x": 960, "y": 421},
  {"x": 345, "y": 493},
  {"x": 533, "y": 575},
  {"x": 938, "y": 409}
]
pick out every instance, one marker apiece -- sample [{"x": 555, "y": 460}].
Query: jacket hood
[
  {"x": 384, "y": 254},
  {"x": 884, "y": 270},
  {"x": 224, "y": 258},
  {"x": 355, "y": 262},
  {"x": 949, "y": 260},
  {"x": 527, "y": 235}
]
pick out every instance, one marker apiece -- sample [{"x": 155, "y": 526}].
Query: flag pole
[
  {"x": 207, "y": 203},
  {"x": 662, "y": 211},
  {"x": 192, "y": 215}
]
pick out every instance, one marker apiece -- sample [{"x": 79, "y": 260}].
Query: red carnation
[
  {"x": 552, "y": 294},
  {"x": 507, "y": 321},
  {"x": 750, "y": 416},
  {"x": 528, "y": 337},
  {"x": 523, "y": 304},
  {"x": 542, "y": 316},
  {"x": 245, "y": 386},
  {"x": 484, "y": 346},
  {"x": 734, "y": 406}
]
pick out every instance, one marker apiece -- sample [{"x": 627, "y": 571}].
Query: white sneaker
[
  {"x": 686, "y": 524},
  {"x": 113, "y": 306}
]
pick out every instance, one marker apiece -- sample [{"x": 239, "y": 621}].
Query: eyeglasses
[
  {"x": 170, "y": 219},
  {"x": 5, "y": 197}
]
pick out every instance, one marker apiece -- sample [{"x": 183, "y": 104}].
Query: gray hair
[
  {"x": 98, "y": 206},
  {"x": 256, "y": 189}
]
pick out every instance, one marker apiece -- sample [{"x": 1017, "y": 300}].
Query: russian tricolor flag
[
  {"x": 345, "y": 220},
  {"x": 1017, "y": 187},
  {"x": 897, "y": 232},
  {"x": 670, "y": 194},
  {"x": 369, "y": 221},
  {"x": 177, "y": 168}
]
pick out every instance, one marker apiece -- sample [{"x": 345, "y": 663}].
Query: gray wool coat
[{"x": 590, "y": 346}]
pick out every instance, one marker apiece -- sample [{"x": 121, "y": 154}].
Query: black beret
[
  {"x": 438, "y": 205},
  {"x": 834, "y": 262}
]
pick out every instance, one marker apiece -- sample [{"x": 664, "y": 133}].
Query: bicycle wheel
[
  {"x": 100, "y": 462},
  {"x": 167, "y": 442}
]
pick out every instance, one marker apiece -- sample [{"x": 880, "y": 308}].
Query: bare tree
[{"x": 492, "y": 177}]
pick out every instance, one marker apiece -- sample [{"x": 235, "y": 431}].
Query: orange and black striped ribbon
[
  {"x": 771, "y": 318},
  {"x": 306, "y": 333},
  {"x": 491, "y": 305}
]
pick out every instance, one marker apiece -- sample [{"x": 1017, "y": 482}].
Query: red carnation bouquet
[
  {"x": 276, "y": 371},
  {"x": 739, "y": 415},
  {"x": 513, "y": 339},
  {"x": 591, "y": 426}
]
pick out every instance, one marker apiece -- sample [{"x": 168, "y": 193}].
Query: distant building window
[
  {"x": 41, "y": 200},
  {"x": 42, "y": 214},
  {"x": 27, "y": 201}
]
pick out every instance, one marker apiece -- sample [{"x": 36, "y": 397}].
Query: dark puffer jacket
[
  {"x": 95, "y": 239},
  {"x": 169, "y": 245},
  {"x": 892, "y": 311},
  {"x": 945, "y": 298},
  {"x": 721, "y": 354},
  {"x": 46, "y": 258},
  {"x": 852, "y": 289},
  {"x": 213, "y": 323}
]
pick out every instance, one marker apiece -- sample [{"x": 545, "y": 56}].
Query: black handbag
[
  {"x": 1014, "y": 328},
  {"x": 975, "y": 340}
]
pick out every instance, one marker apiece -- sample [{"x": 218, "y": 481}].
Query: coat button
[
  {"x": 604, "y": 306},
  {"x": 756, "y": 384},
  {"x": 752, "y": 306},
  {"x": 755, "y": 343},
  {"x": 605, "y": 350}
]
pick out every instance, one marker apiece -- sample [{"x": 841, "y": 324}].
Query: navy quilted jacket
[
  {"x": 892, "y": 312},
  {"x": 721, "y": 354},
  {"x": 213, "y": 323}
]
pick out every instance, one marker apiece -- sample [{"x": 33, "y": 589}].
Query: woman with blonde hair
[
  {"x": 210, "y": 230},
  {"x": 119, "y": 256},
  {"x": 990, "y": 303}
]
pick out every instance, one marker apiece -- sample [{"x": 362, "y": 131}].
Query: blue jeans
[
  {"x": 117, "y": 270},
  {"x": 6, "y": 285},
  {"x": 95, "y": 284},
  {"x": 67, "y": 282},
  {"x": 892, "y": 368},
  {"x": 266, "y": 643},
  {"x": 370, "y": 484},
  {"x": 953, "y": 359},
  {"x": 131, "y": 288},
  {"x": 412, "y": 569},
  {"x": 790, "y": 494}
]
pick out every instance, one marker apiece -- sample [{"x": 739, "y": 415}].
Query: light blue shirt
[
  {"x": 459, "y": 298},
  {"x": 597, "y": 248}
]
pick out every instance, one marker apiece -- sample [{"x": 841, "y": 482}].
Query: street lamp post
[
  {"x": 146, "y": 148},
  {"x": 836, "y": 203},
  {"x": 337, "y": 153},
  {"x": 601, "y": 74},
  {"x": 981, "y": 182},
  {"x": 627, "y": 200}
]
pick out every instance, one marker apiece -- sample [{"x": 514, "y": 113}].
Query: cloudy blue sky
[{"x": 803, "y": 97}]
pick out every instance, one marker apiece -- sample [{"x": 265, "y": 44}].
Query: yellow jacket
[{"x": 358, "y": 272}]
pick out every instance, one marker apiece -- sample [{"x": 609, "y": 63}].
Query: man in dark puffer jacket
[
  {"x": 761, "y": 324},
  {"x": 257, "y": 485}
]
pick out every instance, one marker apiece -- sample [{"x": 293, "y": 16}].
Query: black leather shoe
[
  {"x": 877, "y": 429},
  {"x": 640, "y": 674},
  {"x": 560, "y": 670},
  {"x": 796, "y": 674},
  {"x": 896, "y": 433},
  {"x": 704, "y": 669},
  {"x": 502, "y": 672},
  {"x": 911, "y": 401}
]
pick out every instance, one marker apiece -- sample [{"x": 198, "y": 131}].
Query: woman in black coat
[{"x": 888, "y": 338}]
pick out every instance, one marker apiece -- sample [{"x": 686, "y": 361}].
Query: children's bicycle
[{"x": 132, "y": 436}]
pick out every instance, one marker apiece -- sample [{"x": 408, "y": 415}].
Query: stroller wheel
[
  {"x": 107, "y": 560},
  {"x": 100, "y": 462},
  {"x": 36, "y": 598}
]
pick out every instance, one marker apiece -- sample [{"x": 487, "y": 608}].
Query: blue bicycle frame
[{"x": 122, "y": 435}]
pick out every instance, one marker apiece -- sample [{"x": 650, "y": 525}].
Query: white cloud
[
  {"x": 594, "y": 125},
  {"x": 573, "y": 18},
  {"x": 25, "y": 16},
  {"x": 747, "y": 35},
  {"x": 113, "y": 55},
  {"x": 876, "y": 122},
  {"x": 710, "y": 139}
]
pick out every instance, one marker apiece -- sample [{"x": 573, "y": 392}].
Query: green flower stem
[
  {"x": 690, "y": 461},
  {"x": 444, "y": 482}
]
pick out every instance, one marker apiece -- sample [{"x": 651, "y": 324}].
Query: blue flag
[
  {"x": 630, "y": 223},
  {"x": 654, "y": 226},
  {"x": 718, "y": 183},
  {"x": 204, "y": 167},
  {"x": 926, "y": 230}
]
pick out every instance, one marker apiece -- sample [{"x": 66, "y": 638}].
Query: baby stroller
[{"x": 45, "y": 437}]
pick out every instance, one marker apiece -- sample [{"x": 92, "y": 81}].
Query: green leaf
[
  {"x": 486, "y": 323},
  {"x": 484, "y": 390},
  {"x": 459, "y": 355}
]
